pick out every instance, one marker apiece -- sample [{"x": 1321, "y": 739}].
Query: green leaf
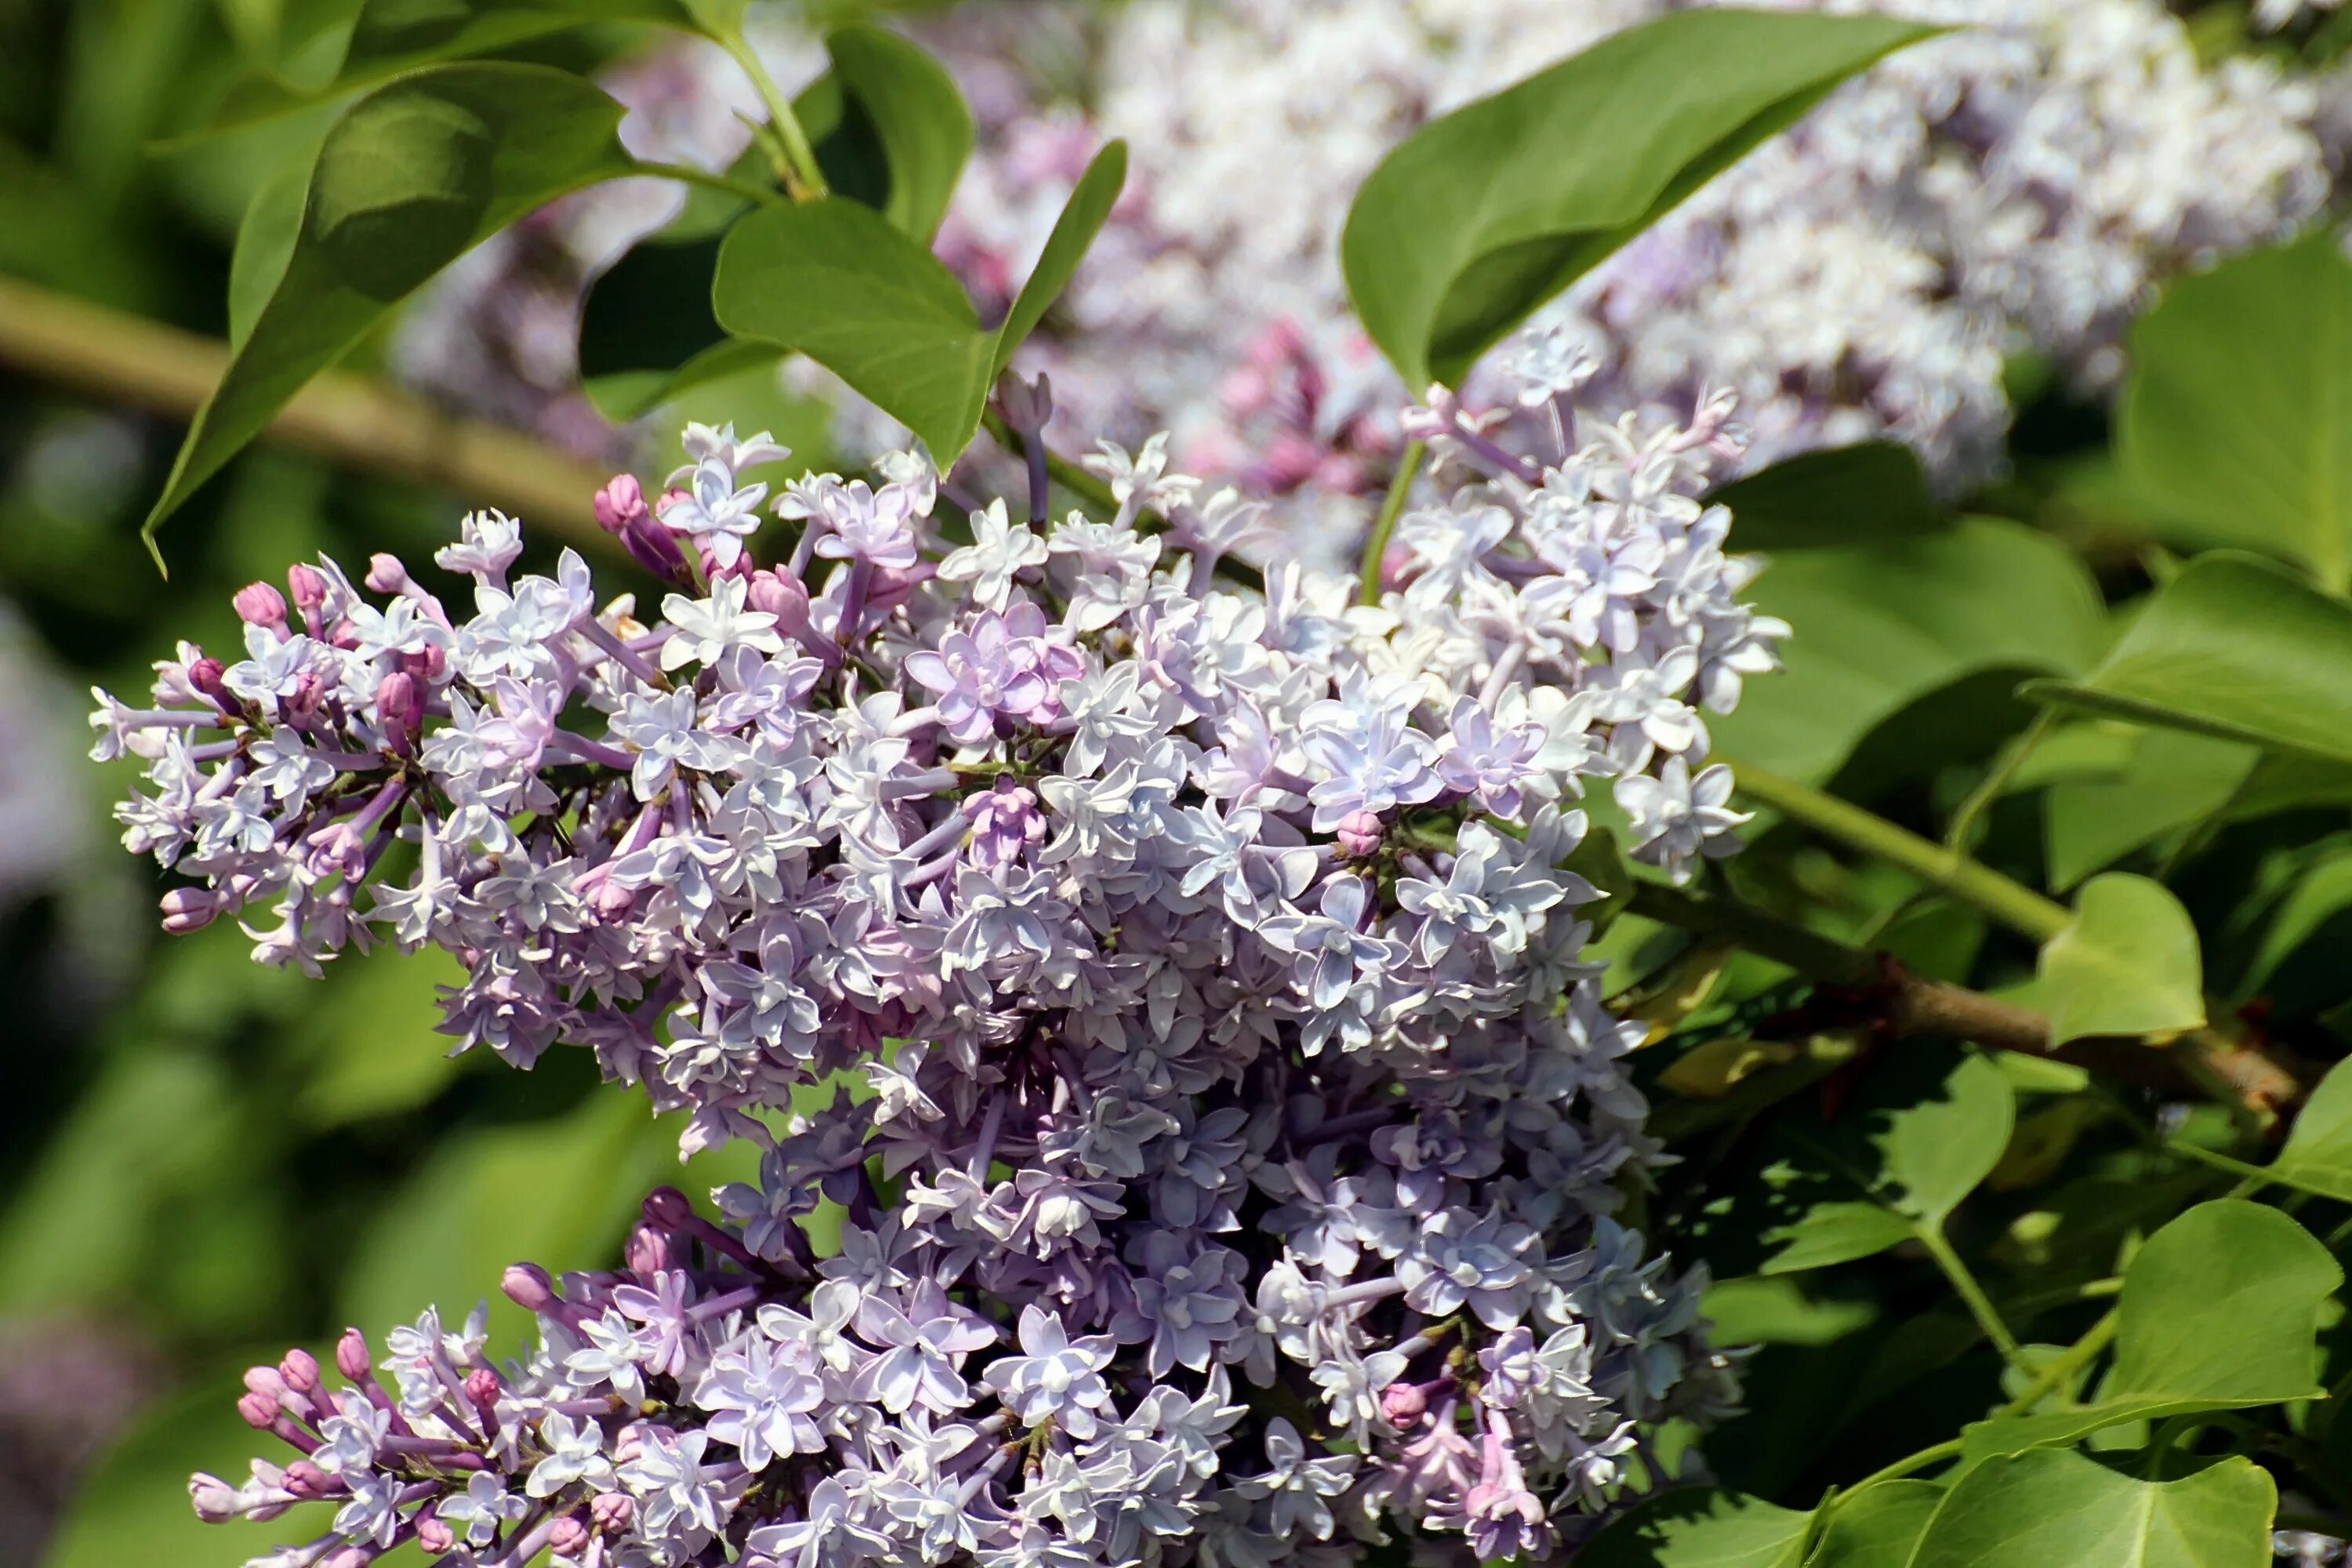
[
  {"x": 2218, "y": 1310},
  {"x": 836, "y": 281},
  {"x": 1835, "y": 1233},
  {"x": 1880, "y": 626},
  {"x": 1842, "y": 495},
  {"x": 2172, "y": 780},
  {"x": 2052, "y": 1506},
  {"x": 371, "y": 1049},
  {"x": 1483, "y": 214},
  {"x": 409, "y": 179},
  {"x": 265, "y": 238},
  {"x": 386, "y": 38},
  {"x": 2234, "y": 647},
  {"x": 1879, "y": 1526},
  {"x": 1082, "y": 218},
  {"x": 925, "y": 130},
  {"x": 2237, "y": 419},
  {"x": 1701, "y": 1528},
  {"x": 2319, "y": 1154},
  {"x": 2127, "y": 964}
]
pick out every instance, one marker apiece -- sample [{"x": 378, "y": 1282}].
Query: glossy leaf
[
  {"x": 2235, "y": 648},
  {"x": 2237, "y": 419},
  {"x": 1701, "y": 1528},
  {"x": 2319, "y": 1154},
  {"x": 1881, "y": 627},
  {"x": 2050, "y": 1507},
  {"x": 409, "y": 179},
  {"x": 1082, "y": 218},
  {"x": 916, "y": 112},
  {"x": 1485, "y": 212},
  {"x": 1865, "y": 494},
  {"x": 2127, "y": 964},
  {"x": 1879, "y": 1526},
  {"x": 265, "y": 238},
  {"x": 2219, "y": 1311}
]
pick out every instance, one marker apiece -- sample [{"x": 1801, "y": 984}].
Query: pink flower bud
[
  {"x": 351, "y": 1356},
  {"x": 1359, "y": 832},
  {"x": 259, "y": 605},
  {"x": 189, "y": 910},
  {"x": 892, "y": 585},
  {"x": 621, "y": 502},
  {"x": 349, "y": 1557},
  {"x": 204, "y": 675},
  {"x": 395, "y": 698},
  {"x": 612, "y": 1511},
  {"x": 266, "y": 1381},
  {"x": 261, "y": 1411},
  {"x": 612, "y": 902},
  {"x": 301, "y": 1370},
  {"x": 216, "y": 1501},
  {"x": 527, "y": 1285},
  {"x": 434, "y": 1536},
  {"x": 649, "y": 1251},
  {"x": 385, "y": 574},
  {"x": 308, "y": 1481},
  {"x": 568, "y": 1537},
  {"x": 426, "y": 668},
  {"x": 309, "y": 586},
  {"x": 482, "y": 1391},
  {"x": 668, "y": 1208},
  {"x": 309, "y": 695},
  {"x": 1403, "y": 1404},
  {"x": 783, "y": 595},
  {"x": 711, "y": 569}
]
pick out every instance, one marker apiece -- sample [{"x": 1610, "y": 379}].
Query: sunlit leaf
[
  {"x": 1836, "y": 1233},
  {"x": 1879, "y": 1526},
  {"x": 2049, "y": 1507},
  {"x": 2127, "y": 964},
  {"x": 2319, "y": 1154},
  {"x": 1701, "y": 1528},
  {"x": 1485, "y": 212}
]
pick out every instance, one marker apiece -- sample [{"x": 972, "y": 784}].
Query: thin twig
[{"x": 1391, "y": 508}]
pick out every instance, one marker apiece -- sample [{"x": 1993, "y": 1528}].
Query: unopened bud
[
  {"x": 1027, "y": 404},
  {"x": 426, "y": 668},
  {"x": 611, "y": 901},
  {"x": 308, "y": 586},
  {"x": 649, "y": 1251},
  {"x": 482, "y": 1391},
  {"x": 259, "y": 605},
  {"x": 385, "y": 574},
  {"x": 266, "y": 1381},
  {"x": 568, "y": 1536},
  {"x": 301, "y": 1370},
  {"x": 1403, "y": 1404},
  {"x": 621, "y": 502},
  {"x": 348, "y": 1557},
  {"x": 612, "y": 1511},
  {"x": 216, "y": 1501},
  {"x": 527, "y": 1285},
  {"x": 783, "y": 595},
  {"x": 308, "y": 1481},
  {"x": 395, "y": 700},
  {"x": 1359, "y": 834},
  {"x": 189, "y": 910},
  {"x": 204, "y": 675},
  {"x": 261, "y": 1411},
  {"x": 434, "y": 1536},
  {"x": 668, "y": 1208},
  {"x": 351, "y": 1356}
]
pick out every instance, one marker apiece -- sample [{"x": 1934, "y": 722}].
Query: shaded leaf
[
  {"x": 1485, "y": 212},
  {"x": 916, "y": 112},
  {"x": 2052, "y": 1505},
  {"x": 410, "y": 178},
  {"x": 1879, "y": 1526},
  {"x": 2218, "y": 1310},
  {"x": 2127, "y": 964},
  {"x": 2319, "y": 1154},
  {"x": 2173, "y": 780},
  {"x": 2234, "y": 647},
  {"x": 1701, "y": 1528},
  {"x": 1883, "y": 625},
  {"x": 2237, "y": 418},
  {"x": 1864, "y": 494}
]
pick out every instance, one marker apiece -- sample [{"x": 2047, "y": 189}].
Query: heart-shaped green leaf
[
  {"x": 1701, "y": 1528},
  {"x": 2127, "y": 964},
  {"x": 2052, "y": 1506},
  {"x": 2233, "y": 646},
  {"x": 2218, "y": 1310},
  {"x": 2319, "y": 1154},
  {"x": 916, "y": 113},
  {"x": 2237, "y": 419},
  {"x": 410, "y": 178},
  {"x": 1483, "y": 214}
]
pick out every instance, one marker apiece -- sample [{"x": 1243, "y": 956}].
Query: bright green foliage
[
  {"x": 914, "y": 109},
  {"x": 1886, "y": 624},
  {"x": 2237, "y": 421},
  {"x": 1879, "y": 1526},
  {"x": 2234, "y": 647},
  {"x": 1836, "y": 1233},
  {"x": 1485, "y": 212},
  {"x": 2126, "y": 965},
  {"x": 412, "y": 177},
  {"x": 2046, "y": 1508},
  {"x": 836, "y": 281},
  {"x": 1705, "y": 1529},
  {"x": 2319, "y": 1154},
  {"x": 2218, "y": 1312}
]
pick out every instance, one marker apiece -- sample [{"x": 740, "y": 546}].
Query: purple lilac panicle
[{"x": 1238, "y": 1172}]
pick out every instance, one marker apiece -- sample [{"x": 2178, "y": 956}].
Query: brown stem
[{"x": 351, "y": 419}]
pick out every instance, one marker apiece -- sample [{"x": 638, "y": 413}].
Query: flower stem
[
  {"x": 1989, "y": 788},
  {"x": 2073, "y": 1359},
  {"x": 1391, "y": 508},
  {"x": 2012, "y": 903},
  {"x": 686, "y": 174},
  {"x": 1979, "y": 1305}
]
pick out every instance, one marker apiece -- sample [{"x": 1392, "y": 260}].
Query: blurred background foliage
[{"x": 202, "y": 1162}]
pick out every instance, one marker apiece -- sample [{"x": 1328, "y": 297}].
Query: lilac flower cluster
[{"x": 1227, "y": 1122}]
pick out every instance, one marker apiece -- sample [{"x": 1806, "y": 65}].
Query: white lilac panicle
[{"x": 1244, "y": 1124}]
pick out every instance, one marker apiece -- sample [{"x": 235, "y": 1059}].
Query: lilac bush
[{"x": 1182, "y": 980}]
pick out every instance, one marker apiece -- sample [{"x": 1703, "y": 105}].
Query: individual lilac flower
[
  {"x": 706, "y": 445},
  {"x": 999, "y": 552},
  {"x": 760, "y": 1397},
  {"x": 1330, "y": 949},
  {"x": 1370, "y": 761},
  {"x": 482, "y": 1510},
  {"x": 488, "y": 541},
  {"x": 704, "y": 631},
  {"x": 673, "y": 1489},
  {"x": 1301, "y": 1487},
  {"x": 978, "y": 676},
  {"x": 1675, "y": 817},
  {"x": 1489, "y": 763},
  {"x": 1191, "y": 1308},
  {"x": 876, "y": 527},
  {"x": 715, "y": 513},
  {"x": 923, "y": 1349},
  {"x": 665, "y": 732},
  {"x": 1055, "y": 1377},
  {"x": 1480, "y": 1262}
]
